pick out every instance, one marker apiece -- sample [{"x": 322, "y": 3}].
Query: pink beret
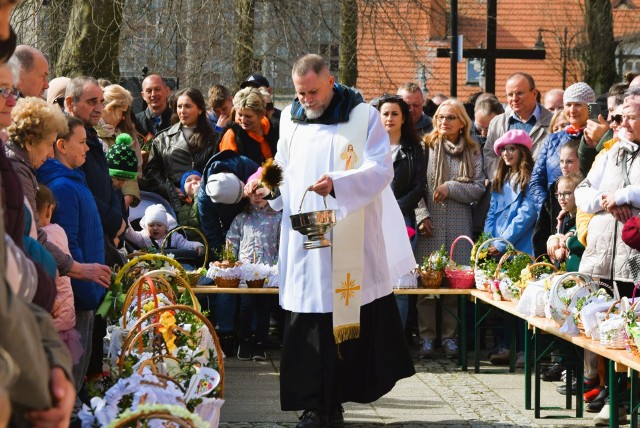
[{"x": 513, "y": 137}]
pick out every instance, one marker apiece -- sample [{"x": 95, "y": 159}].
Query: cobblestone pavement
[{"x": 440, "y": 394}]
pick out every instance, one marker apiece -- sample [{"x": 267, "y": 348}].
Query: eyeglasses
[
  {"x": 564, "y": 195},
  {"x": 387, "y": 97},
  {"x": 7, "y": 92},
  {"x": 617, "y": 118},
  {"x": 508, "y": 149},
  {"x": 269, "y": 106},
  {"x": 518, "y": 94},
  {"x": 449, "y": 117}
]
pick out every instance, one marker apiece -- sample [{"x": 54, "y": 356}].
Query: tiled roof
[{"x": 397, "y": 40}]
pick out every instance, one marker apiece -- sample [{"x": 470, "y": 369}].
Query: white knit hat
[
  {"x": 154, "y": 214},
  {"x": 224, "y": 188},
  {"x": 579, "y": 93}
]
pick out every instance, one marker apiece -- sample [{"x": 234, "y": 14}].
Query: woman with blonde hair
[
  {"x": 252, "y": 134},
  {"x": 454, "y": 181},
  {"x": 116, "y": 119}
]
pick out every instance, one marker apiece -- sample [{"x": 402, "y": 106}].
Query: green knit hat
[{"x": 122, "y": 159}]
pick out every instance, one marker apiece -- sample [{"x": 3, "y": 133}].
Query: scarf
[
  {"x": 343, "y": 101},
  {"x": 444, "y": 148},
  {"x": 574, "y": 132}
]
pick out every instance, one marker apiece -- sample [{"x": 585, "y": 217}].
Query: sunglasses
[
  {"x": 617, "y": 118},
  {"x": 269, "y": 106},
  {"x": 449, "y": 117}
]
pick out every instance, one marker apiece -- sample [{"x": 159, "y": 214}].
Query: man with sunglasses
[{"x": 523, "y": 112}]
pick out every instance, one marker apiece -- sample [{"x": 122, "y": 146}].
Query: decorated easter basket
[
  {"x": 142, "y": 337},
  {"x": 508, "y": 287},
  {"x": 560, "y": 297},
  {"x": 459, "y": 276},
  {"x": 483, "y": 278}
]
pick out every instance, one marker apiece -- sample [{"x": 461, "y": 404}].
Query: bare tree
[
  {"x": 348, "y": 42},
  {"x": 244, "y": 39},
  {"x": 598, "y": 54}
]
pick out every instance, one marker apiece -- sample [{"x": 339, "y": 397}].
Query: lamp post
[{"x": 565, "y": 45}]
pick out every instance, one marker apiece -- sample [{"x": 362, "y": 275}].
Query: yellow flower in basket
[{"x": 168, "y": 321}]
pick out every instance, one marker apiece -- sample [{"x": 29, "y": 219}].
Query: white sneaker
[
  {"x": 602, "y": 418},
  {"x": 426, "y": 349},
  {"x": 450, "y": 347}
]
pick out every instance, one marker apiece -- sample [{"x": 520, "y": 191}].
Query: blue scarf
[{"x": 343, "y": 101}]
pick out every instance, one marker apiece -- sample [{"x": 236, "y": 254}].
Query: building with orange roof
[{"x": 397, "y": 42}]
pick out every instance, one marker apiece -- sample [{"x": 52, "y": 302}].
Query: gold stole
[{"x": 348, "y": 234}]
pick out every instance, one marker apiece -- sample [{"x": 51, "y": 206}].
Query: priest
[{"x": 343, "y": 338}]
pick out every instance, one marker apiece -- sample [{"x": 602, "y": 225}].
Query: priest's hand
[
  {"x": 323, "y": 186},
  {"x": 254, "y": 191}
]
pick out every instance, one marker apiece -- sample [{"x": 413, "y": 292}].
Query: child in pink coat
[{"x": 63, "y": 313}]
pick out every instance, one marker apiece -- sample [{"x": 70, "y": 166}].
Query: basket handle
[
  {"x": 148, "y": 257},
  {"x": 505, "y": 257},
  {"x": 488, "y": 241},
  {"x": 455, "y": 241},
  {"x": 324, "y": 199},
  {"x": 545, "y": 264},
  {"x": 197, "y": 231}
]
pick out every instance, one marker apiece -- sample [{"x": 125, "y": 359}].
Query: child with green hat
[{"x": 123, "y": 167}]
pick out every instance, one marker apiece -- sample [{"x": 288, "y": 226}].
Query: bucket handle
[{"x": 324, "y": 199}]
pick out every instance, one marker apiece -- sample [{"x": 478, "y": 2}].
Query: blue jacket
[
  {"x": 215, "y": 218},
  {"x": 547, "y": 168},
  {"x": 96, "y": 171},
  {"x": 77, "y": 214},
  {"x": 512, "y": 216}
]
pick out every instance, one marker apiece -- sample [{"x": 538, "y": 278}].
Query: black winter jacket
[
  {"x": 409, "y": 177},
  {"x": 170, "y": 157}
]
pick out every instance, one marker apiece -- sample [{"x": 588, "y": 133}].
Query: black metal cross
[{"x": 490, "y": 54}]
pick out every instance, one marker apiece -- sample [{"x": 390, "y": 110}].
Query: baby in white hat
[{"x": 155, "y": 226}]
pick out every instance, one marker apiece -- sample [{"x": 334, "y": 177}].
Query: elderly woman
[
  {"x": 252, "y": 134},
  {"x": 186, "y": 145},
  {"x": 116, "y": 119},
  {"x": 455, "y": 177},
  {"x": 611, "y": 192},
  {"x": 547, "y": 168}
]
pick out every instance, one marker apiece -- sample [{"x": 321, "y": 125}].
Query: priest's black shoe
[
  {"x": 313, "y": 419},
  {"x": 336, "y": 419}
]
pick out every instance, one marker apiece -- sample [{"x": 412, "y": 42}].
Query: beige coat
[{"x": 606, "y": 255}]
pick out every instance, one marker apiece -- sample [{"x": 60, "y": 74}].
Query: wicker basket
[
  {"x": 137, "y": 332},
  {"x": 505, "y": 292},
  {"x": 194, "y": 276},
  {"x": 144, "y": 413},
  {"x": 255, "y": 283},
  {"x": 459, "y": 278},
  {"x": 483, "y": 279},
  {"x": 430, "y": 278},
  {"x": 612, "y": 338},
  {"x": 227, "y": 282},
  {"x": 557, "y": 306}
]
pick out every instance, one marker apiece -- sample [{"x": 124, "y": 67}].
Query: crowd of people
[{"x": 554, "y": 176}]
